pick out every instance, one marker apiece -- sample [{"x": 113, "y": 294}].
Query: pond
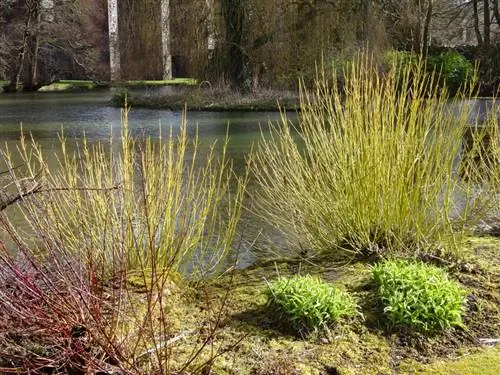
[
  {"x": 89, "y": 114},
  {"x": 78, "y": 114}
]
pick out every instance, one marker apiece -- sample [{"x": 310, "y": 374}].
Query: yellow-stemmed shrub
[
  {"x": 376, "y": 165},
  {"x": 99, "y": 285}
]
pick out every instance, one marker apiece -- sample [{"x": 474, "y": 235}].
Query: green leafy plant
[
  {"x": 418, "y": 295},
  {"x": 454, "y": 69},
  {"x": 308, "y": 303}
]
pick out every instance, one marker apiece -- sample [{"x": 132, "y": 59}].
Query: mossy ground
[
  {"x": 253, "y": 341},
  {"x": 69, "y": 86},
  {"x": 153, "y": 83},
  {"x": 81, "y": 85},
  {"x": 480, "y": 361}
]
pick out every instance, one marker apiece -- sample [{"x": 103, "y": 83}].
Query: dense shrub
[
  {"x": 370, "y": 170},
  {"x": 419, "y": 296},
  {"x": 454, "y": 69},
  {"x": 114, "y": 228},
  {"x": 307, "y": 303}
]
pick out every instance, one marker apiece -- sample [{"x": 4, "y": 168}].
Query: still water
[{"x": 89, "y": 114}]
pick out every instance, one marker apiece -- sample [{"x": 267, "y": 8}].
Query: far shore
[
  {"x": 183, "y": 93},
  {"x": 195, "y": 98}
]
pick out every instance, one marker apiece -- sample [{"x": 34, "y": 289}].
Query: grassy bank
[
  {"x": 82, "y": 85},
  {"x": 204, "y": 98},
  {"x": 156, "y": 83}
]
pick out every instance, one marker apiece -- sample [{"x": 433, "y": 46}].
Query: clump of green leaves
[
  {"x": 455, "y": 70},
  {"x": 418, "y": 295},
  {"x": 308, "y": 304}
]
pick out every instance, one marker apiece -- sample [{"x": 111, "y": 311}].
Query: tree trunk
[
  {"x": 34, "y": 46},
  {"x": 487, "y": 23},
  {"x": 237, "y": 63},
  {"x": 114, "y": 41},
  {"x": 426, "y": 31},
  {"x": 476, "y": 23},
  {"x": 211, "y": 28},
  {"x": 165, "y": 40},
  {"x": 18, "y": 84}
]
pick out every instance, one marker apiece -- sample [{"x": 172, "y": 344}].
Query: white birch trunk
[
  {"x": 165, "y": 39},
  {"x": 114, "y": 41},
  {"x": 48, "y": 10}
]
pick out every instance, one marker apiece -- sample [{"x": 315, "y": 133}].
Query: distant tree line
[
  {"x": 245, "y": 44},
  {"x": 44, "y": 40}
]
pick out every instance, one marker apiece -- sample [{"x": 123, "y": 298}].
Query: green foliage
[
  {"x": 369, "y": 170},
  {"x": 308, "y": 303},
  {"x": 419, "y": 296},
  {"x": 454, "y": 69}
]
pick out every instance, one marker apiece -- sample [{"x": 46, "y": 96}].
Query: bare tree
[
  {"x": 408, "y": 22},
  {"x": 427, "y": 25},
  {"x": 165, "y": 39},
  {"x": 235, "y": 13},
  {"x": 487, "y": 24},
  {"x": 43, "y": 40}
]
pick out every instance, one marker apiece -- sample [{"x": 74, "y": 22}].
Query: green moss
[
  {"x": 483, "y": 250},
  {"x": 68, "y": 85},
  {"x": 146, "y": 83},
  {"x": 484, "y": 362},
  {"x": 253, "y": 344}
]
